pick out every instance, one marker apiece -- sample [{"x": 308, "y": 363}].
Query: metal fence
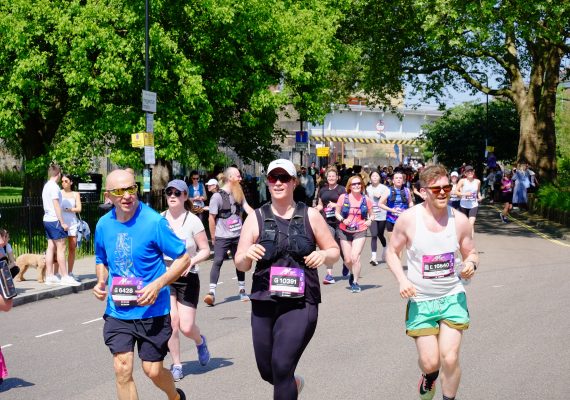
[{"x": 24, "y": 219}]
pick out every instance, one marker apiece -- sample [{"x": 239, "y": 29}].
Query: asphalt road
[{"x": 517, "y": 346}]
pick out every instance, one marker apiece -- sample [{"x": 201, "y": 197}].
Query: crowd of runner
[{"x": 148, "y": 263}]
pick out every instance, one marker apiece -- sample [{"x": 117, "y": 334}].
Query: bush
[
  {"x": 11, "y": 178},
  {"x": 564, "y": 172},
  {"x": 556, "y": 197}
]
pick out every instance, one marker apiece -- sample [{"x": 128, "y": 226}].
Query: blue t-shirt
[{"x": 136, "y": 248}]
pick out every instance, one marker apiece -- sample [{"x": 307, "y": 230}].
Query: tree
[
  {"x": 512, "y": 49},
  {"x": 71, "y": 74},
  {"x": 459, "y": 136}
]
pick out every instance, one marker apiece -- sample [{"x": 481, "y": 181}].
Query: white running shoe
[
  {"x": 52, "y": 280},
  {"x": 69, "y": 281}
]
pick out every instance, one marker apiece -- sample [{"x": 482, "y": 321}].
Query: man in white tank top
[{"x": 441, "y": 252}]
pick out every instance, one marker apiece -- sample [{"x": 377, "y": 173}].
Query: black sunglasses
[
  {"x": 283, "y": 178},
  {"x": 169, "y": 192}
]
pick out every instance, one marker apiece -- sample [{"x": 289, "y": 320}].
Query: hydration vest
[
  {"x": 227, "y": 209},
  {"x": 346, "y": 207},
  {"x": 403, "y": 195}
]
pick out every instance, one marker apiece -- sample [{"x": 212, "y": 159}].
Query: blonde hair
[{"x": 349, "y": 183}]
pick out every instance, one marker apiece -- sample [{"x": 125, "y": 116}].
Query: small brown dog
[{"x": 31, "y": 260}]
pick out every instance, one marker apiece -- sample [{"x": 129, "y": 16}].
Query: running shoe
[
  {"x": 345, "y": 270},
  {"x": 210, "y": 299},
  {"x": 181, "y": 394},
  {"x": 176, "y": 371},
  {"x": 52, "y": 280},
  {"x": 203, "y": 352},
  {"x": 374, "y": 263},
  {"x": 300, "y": 383},
  {"x": 329, "y": 280},
  {"x": 68, "y": 281},
  {"x": 243, "y": 296},
  {"x": 350, "y": 279},
  {"x": 355, "y": 288},
  {"x": 426, "y": 388}
]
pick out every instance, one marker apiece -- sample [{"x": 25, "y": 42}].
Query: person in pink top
[{"x": 354, "y": 211}]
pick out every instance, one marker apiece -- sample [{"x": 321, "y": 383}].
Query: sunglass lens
[{"x": 283, "y": 178}]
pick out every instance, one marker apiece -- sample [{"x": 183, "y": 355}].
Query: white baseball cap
[
  {"x": 454, "y": 173},
  {"x": 211, "y": 182},
  {"x": 283, "y": 164}
]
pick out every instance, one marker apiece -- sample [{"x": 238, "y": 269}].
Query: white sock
[
  {"x": 213, "y": 288},
  {"x": 241, "y": 285},
  {"x": 373, "y": 257}
]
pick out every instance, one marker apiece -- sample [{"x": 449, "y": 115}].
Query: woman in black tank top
[{"x": 285, "y": 292}]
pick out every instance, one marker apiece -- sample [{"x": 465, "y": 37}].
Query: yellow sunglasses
[{"x": 119, "y": 192}]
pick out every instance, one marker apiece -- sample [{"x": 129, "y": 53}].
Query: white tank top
[
  {"x": 69, "y": 217},
  {"x": 433, "y": 259},
  {"x": 470, "y": 201}
]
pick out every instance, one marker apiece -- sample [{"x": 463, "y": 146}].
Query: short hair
[
  {"x": 331, "y": 169},
  {"x": 432, "y": 173},
  {"x": 53, "y": 170}
]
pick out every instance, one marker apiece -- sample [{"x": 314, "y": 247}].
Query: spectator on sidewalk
[
  {"x": 71, "y": 205},
  {"x": 308, "y": 184},
  {"x": 521, "y": 179},
  {"x": 56, "y": 230}
]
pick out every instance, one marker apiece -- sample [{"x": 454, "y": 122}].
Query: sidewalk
[{"x": 84, "y": 268}]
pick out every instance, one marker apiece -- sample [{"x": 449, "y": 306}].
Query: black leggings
[
  {"x": 377, "y": 232},
  {"x": 281, "y": 332},
  {"x": 221, "y": 247}
]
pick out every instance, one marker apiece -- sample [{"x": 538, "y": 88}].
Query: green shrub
[
  {"x": 11, "y": 178},
  {"x": 564, "y": 172},
  {"x": 552, "y": 196}
]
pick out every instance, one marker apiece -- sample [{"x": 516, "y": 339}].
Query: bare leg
[
  {"x": 347, "y": 251},
  {"x": 357, "y": 246},
  {"x": 174, "y": 341},
  {"x": 123, "y": 363},
  {"x": 449, "y": 344},
  {"x": 60, "y": 248},
  {"x": 71, "y": 246},
  {"x": 188, "y": 325},
  {"x": 161, "y": 377},
  {"x": 428, "y": 353},
  {"x": 50, "y": 251}
]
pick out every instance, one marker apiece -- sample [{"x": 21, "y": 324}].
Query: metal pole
[{"x": 146, "y": 45}]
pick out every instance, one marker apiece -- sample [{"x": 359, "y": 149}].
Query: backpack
[
  {"x": 403, "y": 194},
  {"x": 346, "y": 207},
  {"x": 226, "y": 210},
  {"x": 83, "y": 232}
]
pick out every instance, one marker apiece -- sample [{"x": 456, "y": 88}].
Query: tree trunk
[
  {"x": 161, "y": 174},
  {"x": 34, "y": 148}
]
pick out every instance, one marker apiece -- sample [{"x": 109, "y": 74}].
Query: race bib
[
  {"x": 287, "y": 282},
  {"x": 438, "y": 266},
  {"x": 234, "y": 224},
  {"x": 329, "y": 212},
  {"x": 124, "y": 291}
]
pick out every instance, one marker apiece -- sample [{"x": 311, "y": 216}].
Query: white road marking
[
  {"x": 6, "y": 345},
  {"x": 93, "y": 320},
  {"x": 498, "y": 286},
  {"x": 49, "y": 333}
]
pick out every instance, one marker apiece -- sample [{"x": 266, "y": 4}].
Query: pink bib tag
[
  {"x": 124, "y": 291},
  {"x": 286, "y": 281},
  {"x": 438, "y": 266}
]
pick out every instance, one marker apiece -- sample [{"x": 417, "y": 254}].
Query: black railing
[{"x": 24, "y": 219}]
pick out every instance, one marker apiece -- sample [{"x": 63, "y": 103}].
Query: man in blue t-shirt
[{"x": 130, "y": 242}]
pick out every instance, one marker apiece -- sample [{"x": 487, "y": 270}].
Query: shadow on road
[
  {"x": 13, "y": 383},
  {"x": 194, "y": 367},
  {"x": 489, "y": 222}
]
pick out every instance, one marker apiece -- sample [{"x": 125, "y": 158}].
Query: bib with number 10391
[{"x": 287, "y": 282}]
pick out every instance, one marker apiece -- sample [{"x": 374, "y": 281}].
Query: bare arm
[
  {"x": 396, "y": 245},
  {"x": 466, "y": 246},
  {"x": 319, "y": 205},
  {"x": 149, "y": 293},
  {"x": 57, "y": 208},
  {"x": 247, "y": 208},
  {"x": 248, "y": 250},
  {"x": 212, "y": 226},
  {"x": 329, "y": 251},
  {"x": 100, "y": 289},
  {"x": 78, "y": 206}
]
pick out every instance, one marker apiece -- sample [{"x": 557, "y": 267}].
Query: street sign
[
  {"x": 149, "y": 101},
  {"x": 300, "y": 146},
  {"x": 150, "y": 122},
  {"x": 137, "y": 140},
  {"x": 149, "y": 155},
  {"x": 323, "y": 152},
  {"x": 149, "y": 139},
  {"x": 301, "y": 136},
  {"x": 146, "y": 180}
]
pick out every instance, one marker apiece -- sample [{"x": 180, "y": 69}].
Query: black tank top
[{"x": 260, "y": 280}]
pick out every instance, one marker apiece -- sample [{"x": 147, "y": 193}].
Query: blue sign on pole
[{"x": 301, "y": 136}]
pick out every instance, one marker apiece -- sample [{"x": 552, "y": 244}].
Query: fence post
[{"x": 28, "y": 203}]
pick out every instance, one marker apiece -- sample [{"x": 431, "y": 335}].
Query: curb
[{"x": 53, "y": 292}]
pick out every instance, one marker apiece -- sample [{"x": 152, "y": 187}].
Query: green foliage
[
  {"x": 71, "y": 74},
  {"x": 459, "y": 136},
  {"x": 563, "y": 123},
  {"x": 564, "y": 172},
  {"x": 551, "y": 196},
  {"x": 10, "y": 193}
]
